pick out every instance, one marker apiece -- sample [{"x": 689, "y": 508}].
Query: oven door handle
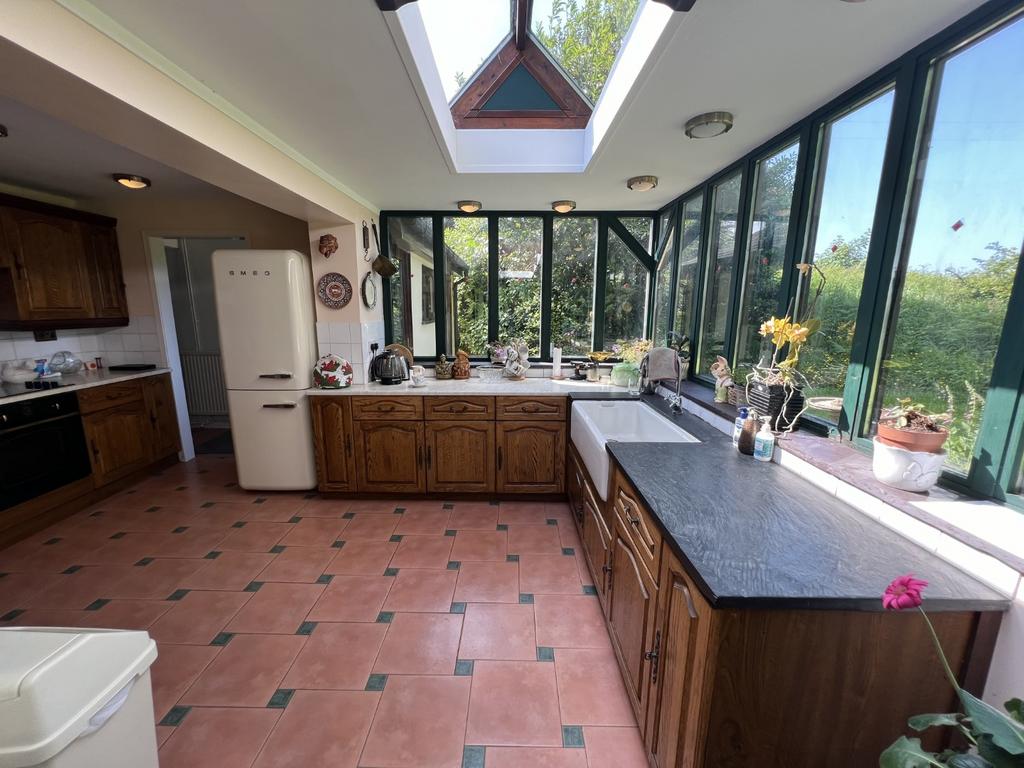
[{"x": 39, "y": 423}]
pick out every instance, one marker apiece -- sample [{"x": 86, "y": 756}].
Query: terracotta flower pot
[{"x": 912, "y": 440}]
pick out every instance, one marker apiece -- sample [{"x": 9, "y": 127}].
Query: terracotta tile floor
[{"x": 294, "y": 630}]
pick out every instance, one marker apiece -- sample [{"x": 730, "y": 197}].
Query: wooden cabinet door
[
  {"x": 104, "y": 262},
  {"x": 630, "y": 616},
  {"x": 332, "y": 443},
  {"x": 389, "y": 456},
  {"x": 51, "y": 276},
  {"x": 531, "y": 457},
  {"x": 163, "y": 419},
  {"x": 597, "y": 542},
  {"x": 118, "y": 441},
  {"x": 674, "y": 707},
  {"x": 460, "y": 456}
]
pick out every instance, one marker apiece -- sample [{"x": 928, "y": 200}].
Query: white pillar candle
[{"x": 556, "y": 362}]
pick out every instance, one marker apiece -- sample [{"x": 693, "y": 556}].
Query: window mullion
[
  {"x": 673, "y": 270},
  {"x": 547, "y": 257},
  {"x": 492, "y": 277},
  {"x": 440, "y": 290},
  {"x": 600, "y": 281},
  {"x": 739, "y": 261},
  {"x": 385, "y": 293},
  {"x": 801, "y": 206}
]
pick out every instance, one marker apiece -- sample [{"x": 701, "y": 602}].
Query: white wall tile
[
  {"x": 132, "y": 342},
  {"x": 148, "y": 342},
  {"x": 6, "y": 350},
  {"x": 341, "y": 333}
]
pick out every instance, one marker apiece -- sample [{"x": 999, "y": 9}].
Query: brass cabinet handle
[
  {"x": 386, "y": 408},
  {"x": 633, "y": 520},
  {"x": 653, "y": 655},
  {"x": 690, "y": 607},
  {"x": 606, "y": 569}
]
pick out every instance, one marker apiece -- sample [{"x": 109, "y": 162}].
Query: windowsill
[{"x": 989, "y": 527}]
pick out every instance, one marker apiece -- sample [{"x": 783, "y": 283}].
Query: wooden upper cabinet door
[
  {"x": 398, "y": 408},
  {"x": 630, "y": 617},
  {"x": 460, "y": 456},
  {"x": 118, "y": 440},
  {"x": 681, "y": 635},
  {"x": 163, "y": 418},
  {"x": 531, "y": 408},
  {"x": 51, "y": 275},
  {"x": 332, "y": 443},
  {"x": 452, "y": 408},
  {"x": 389, "y": 457},
  {"x": 104, "y": 262},
  {"x": 531, "y": 457}
]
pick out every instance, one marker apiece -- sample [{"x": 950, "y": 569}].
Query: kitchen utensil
[
  {"x": 381, "y": 265},
  {"x": 368, "y": 290},
  {"x": 389, "y": 367},
  {"x": 334, "y": 290}
]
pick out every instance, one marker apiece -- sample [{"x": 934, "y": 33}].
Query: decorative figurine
[
  {"x": 443, "y": 368},
  {"x": 517, "y": 361},
  {"x": 461, "y": 368},
  {"x": 723, "y": 379},
  {"x": 328, "y": 245}
]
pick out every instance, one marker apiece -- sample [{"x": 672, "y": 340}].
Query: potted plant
[
  {"x": 908, "y": 448},
  {"x": 630, "y": 353},
  {"x": 993, "y": 739},
  {"x": 775, "y": 386}
]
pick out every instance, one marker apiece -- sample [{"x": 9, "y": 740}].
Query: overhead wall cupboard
[
  {"x": 440, "y": 444},
  {"x": 59, "y": 268}
]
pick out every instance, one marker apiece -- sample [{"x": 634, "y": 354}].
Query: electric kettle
[{"x": 389, "y": 367}]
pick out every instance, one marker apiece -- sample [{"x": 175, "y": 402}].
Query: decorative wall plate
[
  {"x": 368, "y": 288},
  {"x": 334, "y": 290}
]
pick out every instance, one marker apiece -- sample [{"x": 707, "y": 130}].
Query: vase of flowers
[
  {"x": 775, "y": 388},
  {"x": 992, "y": 738},
  {"x": 630, "y": 353}
]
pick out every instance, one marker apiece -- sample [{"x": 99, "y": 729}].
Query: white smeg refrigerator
[{"x": 268, "y": 347}]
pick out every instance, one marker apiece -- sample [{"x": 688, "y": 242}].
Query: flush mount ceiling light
[
  {"x": 132, "y": 181},
  {"x": 708, "y": 125},
  {"x": 642, "y": 183},
  {"x": 469, "y": 206},
  {"x": 563, "y": 206}
]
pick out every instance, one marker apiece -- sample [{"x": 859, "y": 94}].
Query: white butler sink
[{"x": 595, "y": 422}]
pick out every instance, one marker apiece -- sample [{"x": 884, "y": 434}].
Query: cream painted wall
[
  {"x": 139, "y": 217},
  {"x": 347, "y": 260}
]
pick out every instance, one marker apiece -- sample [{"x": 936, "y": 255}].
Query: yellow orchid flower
[{"x": 798, "y": 334}]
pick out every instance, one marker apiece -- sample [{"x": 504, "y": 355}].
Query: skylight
[
  {"x": 584, "y": 37},
  {"x": 463, "y": 34}
]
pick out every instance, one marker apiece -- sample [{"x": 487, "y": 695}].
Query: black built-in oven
[{"x": 42, "y": 447}]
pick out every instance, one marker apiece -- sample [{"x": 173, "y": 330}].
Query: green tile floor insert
[
  {"x": 511, "y": 558},
  {"x": 175, "y": 716},
  {"x": 376, "y": 682},
  {"x": 281, "y": 698},
  {"x": 525, "y": 598},
  {"x": 95, "y": 605},
  {"x": 464, "y": 667},
  {"x": 572, "y": 736},
  {"x": 222, "y": 638},
  {"x": 545, "y": 654},
  {"x": 324, "y": 578},
  {"x": 177, "y": 594},
  {"x": 458, "y": 608},
  {"x": 253, "y": 586},
  {"x": 454, "y": 565},
  {"x": 473, "y": 756},
  {"x": 306, "y": 628},
  {"x": 385, "y": 617}
]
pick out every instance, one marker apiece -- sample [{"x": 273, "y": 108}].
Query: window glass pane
[
  {"x": 640, "y": 227},
  {"x": 584, "y": 38},
  {"x": 963, "y": 240},
  {"x": 689, "y": 264},
  {"x": 850, "y": 169},
  {"x": 520, "y": 245},
  {"x": 573, "y": 255},
  {"x": 465, "y": 250},
  {"x": 462, "y": 35},
  {"x": 411, "y": 246},
  {"x": 774, "y": 178},
  {"x": 625, "y": 294},
  {"x": 720, "y": 263},
  {"x": 663, "y": 294}
]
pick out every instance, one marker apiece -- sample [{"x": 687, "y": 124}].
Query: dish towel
[{"x": 660, "y": 364}]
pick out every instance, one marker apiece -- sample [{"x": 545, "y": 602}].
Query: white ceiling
[
  {"x": 326, "y": 78},
  {"x": 50, "y": 156}
]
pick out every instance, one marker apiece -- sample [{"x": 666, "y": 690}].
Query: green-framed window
[
  {"x": 719, "y": 269},
  {"x": 573, "y": 265}
]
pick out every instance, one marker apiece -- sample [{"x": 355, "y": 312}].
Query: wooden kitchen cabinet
[
  {"x": 531, "y": 408},
  {"x": 332, "y": 442},
  {"x": 118, "y": 440},
  {"x": 59, "y": 268},
  {"x": 460, "y": 456},
  {"x": 597, "y": 544},
  {"x": 389, "y": 456},
  {"x": 158, "y": 396},
  {"x": 531, "y": 457}
]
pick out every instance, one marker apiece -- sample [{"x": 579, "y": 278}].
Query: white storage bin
[{"x": 76, "y": 698}]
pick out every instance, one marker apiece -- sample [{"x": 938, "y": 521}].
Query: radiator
[{"x": 205, "y": 390}]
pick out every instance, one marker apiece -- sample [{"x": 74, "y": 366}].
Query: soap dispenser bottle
[
  {"x": 745, "y": 443},
  {"x": 764, "y": 443},
  {"x": 737, "y": 425}
]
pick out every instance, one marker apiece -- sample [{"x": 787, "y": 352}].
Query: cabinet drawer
[
  {"x": 531, "y": 408},
  {"x": 637, "y": 523},
  {"x": 459, "y": 408},
  {"x": 109, "y": 395},
  {"x": 389, "y": 408}
]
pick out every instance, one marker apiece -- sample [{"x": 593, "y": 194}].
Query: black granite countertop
[{"x": 755, "y": 535}]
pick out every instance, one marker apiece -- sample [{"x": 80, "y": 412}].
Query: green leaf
[
  {"x": 1016, "y": 709},
  {"x": 1007, "y": 734},
  {"x": 921, "y": 722},
  {"x": 907, "y": 753},
  {"x": 813, "y": 326},
  {"x": 968, "y": 761},
  {"x": 999, "y": 758}
]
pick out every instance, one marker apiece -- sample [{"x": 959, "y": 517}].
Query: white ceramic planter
[{"x": 907, "y": 470}]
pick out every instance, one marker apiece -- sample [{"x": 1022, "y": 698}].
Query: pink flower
[{"x": 904, "y": 592}]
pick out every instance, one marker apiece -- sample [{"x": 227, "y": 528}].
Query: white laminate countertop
[
  {"x": 73, "y": 382},
  {"x": 476, "y": 386}
]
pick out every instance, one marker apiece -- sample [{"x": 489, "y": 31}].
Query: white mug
[{"x": 417, "y": 373}]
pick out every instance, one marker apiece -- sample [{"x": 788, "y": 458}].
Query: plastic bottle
[
  {"x": 737, "y": 426},
  {"x": 764, "y": 443},
  {"x": 745, "y": 444}
]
